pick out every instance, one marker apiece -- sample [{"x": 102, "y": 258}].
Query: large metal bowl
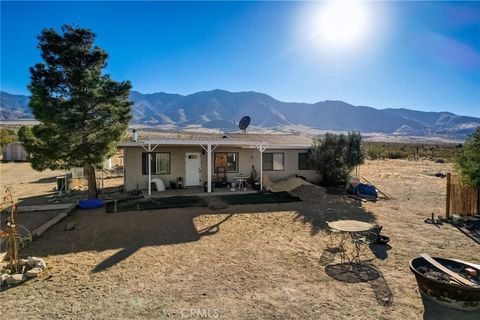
[{"x": 454, "y": 296}]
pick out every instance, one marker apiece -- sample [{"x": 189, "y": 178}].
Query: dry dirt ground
[
  {"x": 244, "y": 262},
  {"x": 29, "y": 186}
]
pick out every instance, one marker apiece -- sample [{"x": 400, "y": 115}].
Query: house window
[
  {"x": 274, "y": 161},
  {"x": 304, "y": 161},
  {"x": 227, "y": 160},
  {"x": 160, "y": 163}
]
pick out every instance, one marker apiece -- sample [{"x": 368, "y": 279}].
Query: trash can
[{"x": 256, "y": 186}]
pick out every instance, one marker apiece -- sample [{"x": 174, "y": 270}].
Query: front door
[{"x": 192, "y": 169}]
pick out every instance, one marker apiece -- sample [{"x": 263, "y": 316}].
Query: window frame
[
  {"x": 273, "y": 169},
  {"x": 309, "y": 164},
  {"x": 237, "y": 161},
  {"x": 154, "y": 164}
]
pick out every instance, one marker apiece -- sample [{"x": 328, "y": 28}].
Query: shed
[{"x": 14, "y": 152}]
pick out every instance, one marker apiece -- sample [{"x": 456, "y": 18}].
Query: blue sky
[{"x": 423, "y": 56}]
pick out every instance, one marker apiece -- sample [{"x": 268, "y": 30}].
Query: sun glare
[{"x": 341, "y": 24}]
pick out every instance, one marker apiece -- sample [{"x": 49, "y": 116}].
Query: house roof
[{"x": 270, "y": 141}]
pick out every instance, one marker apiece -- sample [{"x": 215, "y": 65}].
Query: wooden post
[
  {"x": 447, "y": 211},
  {"x": 478, "y": 202}
]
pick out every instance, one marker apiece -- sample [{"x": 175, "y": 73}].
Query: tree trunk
[{"x": 89, "y": 171}]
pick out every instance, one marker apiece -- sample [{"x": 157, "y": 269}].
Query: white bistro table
[
  {"x": 350, "y": 226},
  {"x": 350, "y": 230},
  {"x": 240, "y": 182}
]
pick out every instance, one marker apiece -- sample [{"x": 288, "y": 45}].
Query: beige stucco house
[{"x": 195, "y": 159}]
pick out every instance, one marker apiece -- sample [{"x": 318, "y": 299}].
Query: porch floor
[{"x": 196, "y": 191}]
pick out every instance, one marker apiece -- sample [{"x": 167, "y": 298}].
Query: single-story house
[{"x": 198, "y": 158}]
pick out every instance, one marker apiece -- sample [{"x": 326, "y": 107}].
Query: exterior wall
[
  {"x": 247, "y": 157},
  {"x": 291, "y": 166},
  {"x": 132, "y": 160}
]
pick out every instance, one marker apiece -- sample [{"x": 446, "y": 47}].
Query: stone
[
  {"x": 216, "y": 204},
  {"x": 34, "y": 272},
  {"x": 69, "y": 226},
  {"x": 37, "y": 262},
  {"x": 16, "y": 278},
  {"x": 23, "y": 262},
  {"x": 3, "y": 277}
]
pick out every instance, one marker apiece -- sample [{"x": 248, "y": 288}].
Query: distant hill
[
  {"x": 220, "y": 108},
  {"x": 440, "y": 123},
  {"x": 14, "y": 107}
]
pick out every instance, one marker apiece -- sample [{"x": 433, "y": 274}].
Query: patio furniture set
[{"x": 357, "y": 233}]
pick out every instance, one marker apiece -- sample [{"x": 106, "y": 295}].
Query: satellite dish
[{"x": 244, "y": 122}]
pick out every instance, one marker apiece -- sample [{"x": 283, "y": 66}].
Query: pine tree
[
  {"x": 467, "y": 161},
  {"x": 82, "y": 112}
]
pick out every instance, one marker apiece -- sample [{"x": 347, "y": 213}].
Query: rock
[
  {"x": 69, "y": 226},
  {"x": 32, "y": 273},
  {"x": 37, "y": 262},
  {"x": 216, "y": 204},
  {"x": 16, "y": 278},
  {"x": 3, "y": 277},
  {"x": 23, "y": 262}
]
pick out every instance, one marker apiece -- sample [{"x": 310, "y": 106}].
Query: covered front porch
[
  {"x": 198, "y": 192},
  {"x": 192, "y": 162}
]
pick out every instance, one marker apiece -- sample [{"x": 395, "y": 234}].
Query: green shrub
[
  {"x": 334, "y": 156},
  {"x": 7, "y": 136}
]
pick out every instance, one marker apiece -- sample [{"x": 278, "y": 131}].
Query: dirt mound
[
  {"x": 215, "y": 203},
  {"x": 311, "y": 193},
  {"x": 287, "y": 184}
]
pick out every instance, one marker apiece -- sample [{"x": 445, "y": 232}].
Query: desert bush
[
  {"x": 373, "y": 152},
  {"x": 395, "y": 150},
  {"x": 7, "y": 136},
  {"x": 334, "y": 156},
  {"x": 396, "y": 154}
]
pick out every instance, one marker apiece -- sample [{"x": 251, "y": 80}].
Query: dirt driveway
[{"x": 244, "y": 262}]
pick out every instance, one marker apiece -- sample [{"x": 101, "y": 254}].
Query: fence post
[
  {"x": 478, "y": 202},
  {"x": 447, "y": 211}
]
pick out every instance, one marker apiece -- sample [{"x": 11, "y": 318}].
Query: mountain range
[{"x": 220, "y": 109}]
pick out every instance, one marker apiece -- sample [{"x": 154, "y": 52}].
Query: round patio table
[
  {"x": 349, "y": 230},
  {"x": 350, "y": 225},
  {"x": 241, "y": 182}
]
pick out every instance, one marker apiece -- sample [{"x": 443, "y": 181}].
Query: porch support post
[
  {"x": 209, "y": 168},
  {"x": 261, "y": 169},
  {"x": 261, "y": 148},
  {"x": 149, "y": 170}
]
